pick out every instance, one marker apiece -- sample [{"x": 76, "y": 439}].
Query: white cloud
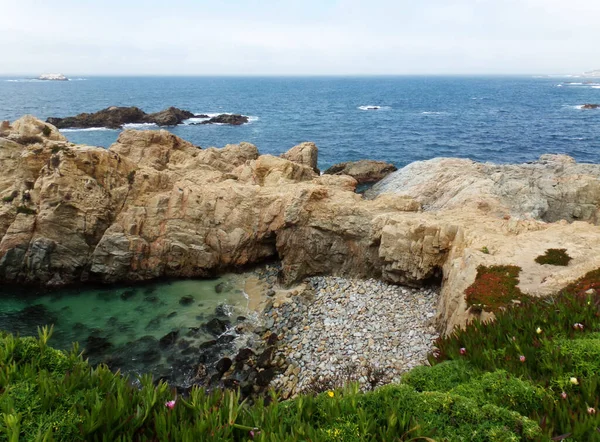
[{"x": 327, "y": 37}]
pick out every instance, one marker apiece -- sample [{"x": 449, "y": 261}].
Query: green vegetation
[
  {"x": 485, "y": 250},
  {"x": 494, "y": 288},
  {"x": 10, "y": 198},
  {"x": 47, "y": 131},
  {"x": 555, "y": 257},
  {"x": 26, "y": 210},
  {"x": 531, "y": 375}
]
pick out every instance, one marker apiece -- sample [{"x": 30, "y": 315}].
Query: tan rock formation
[
  {"x": 154, "y": 205},
  {"x": 306, "y": 154}
]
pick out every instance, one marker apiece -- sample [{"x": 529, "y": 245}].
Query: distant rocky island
[
  {"x": 53, "y": 77},
  {"x": 115, "y": 117}
]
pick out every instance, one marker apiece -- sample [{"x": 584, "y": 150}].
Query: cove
[{"x": 174, "y": 330}]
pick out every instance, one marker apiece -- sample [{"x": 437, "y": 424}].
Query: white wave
[
  {"x": 369, "y": 107},
  {"x": 209, "y": 115},
  {"x": 596, "y": 87},
  {"x": 86, "y": 129},
  {"x": 139, "y": 125},
  {"x": 559, "y": 85},
  {"x": 434, "y": 113}
]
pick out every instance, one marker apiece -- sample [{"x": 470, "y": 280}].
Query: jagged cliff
[{"x": 154, "y": 205}]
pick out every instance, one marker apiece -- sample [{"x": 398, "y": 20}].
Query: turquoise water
[
  {"x": 125, "y": 324},
  {"x": 499, "y": 119}
]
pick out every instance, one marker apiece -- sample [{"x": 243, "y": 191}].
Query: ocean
[{"x": 497, "y": 119}]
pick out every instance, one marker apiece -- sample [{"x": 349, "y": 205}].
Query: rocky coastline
[{"x": 153, "y": 205}]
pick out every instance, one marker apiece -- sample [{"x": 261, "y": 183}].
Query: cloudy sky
[{"x": 305, "y": 37}]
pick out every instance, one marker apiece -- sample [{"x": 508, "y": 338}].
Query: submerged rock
[{"x": 216, "y": 326}]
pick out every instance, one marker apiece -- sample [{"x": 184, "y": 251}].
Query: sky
[{"x": 307, "y": 37}]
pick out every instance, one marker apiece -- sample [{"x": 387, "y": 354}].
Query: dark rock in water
[
  {"x": 105, "y": 296},
  {"x": 240, "y": 318},
  {"x": 208, "y": 344},
  {"x": 234, "y": 120},
  {"x": 216, "y": 326},
  {"x": 115, "y": 117},
  {"x": 265, "y": 377},
  {"x": 154, "y": 323},
  {"x": 149, "y": 290},
  {"x": 189, "y": 351},
  {"x": 186, "y": 300},
  {"x": 112, "y": 321},
  {"x": 244, "y": 354},
  {"x": 151, "y": 298},
  {"x": 96, "y": 346},
  {"x": 225, "y": 339},
  {"x": 363, "y": 171},
  {"x": 127, "y": 295},
  {"x": 193, "y": 332},
  {"x": 220, "y": 287},
  {"x": 590, "y": 106},
  {"x": 168, "y": 339},
  {"x": 169, "y": 117},
  {"x": 136, "y": 355},
  {"x": 264, "y": 359},
  {"x": 172, "y": 315},
  {"x": 201, "y": 116},
  {"x": 183, "y": 344},
  {"x": 222, "y": 310},
  {"x": 246, "y": 389},
  {"x": 79, "y": 327},
  {"x": 223, "y": 365},
  {"x": 38, "y": 313}
]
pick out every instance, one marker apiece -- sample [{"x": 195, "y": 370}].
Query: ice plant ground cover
[{"x": 530, "y": 375}]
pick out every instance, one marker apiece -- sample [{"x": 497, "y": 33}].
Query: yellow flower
[
  {"x": 574, "y": 381},
  {"x": 330, "y": 393},
  {"x": 538, "y": 330}
]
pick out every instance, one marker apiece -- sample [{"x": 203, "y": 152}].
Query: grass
[{"x": 555, "y": 257}]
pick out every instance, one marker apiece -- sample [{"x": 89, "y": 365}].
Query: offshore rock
[
  {"x": 115, "y": 117},
  {"x": 363, "y": 171},
  {"x": 154, "y": 205}
]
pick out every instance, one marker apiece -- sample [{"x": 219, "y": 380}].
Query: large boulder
[
  {"x": 553, "y": 188},
  {"x": 306, "y": 154},
  {"x": 363, "y": 171}
]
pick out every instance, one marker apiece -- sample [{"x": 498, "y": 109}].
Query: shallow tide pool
[{"x": 156, "y": 328}]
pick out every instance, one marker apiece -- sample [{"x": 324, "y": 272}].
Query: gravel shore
[{"x": 335, "y": 330}]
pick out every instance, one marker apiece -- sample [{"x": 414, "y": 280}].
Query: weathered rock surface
[
  {"x": 154, "y": 205},
  {"x": 363, "y": 171},
  {"x": 553, "y": 188},
  {"x": 306, "y": 154}
]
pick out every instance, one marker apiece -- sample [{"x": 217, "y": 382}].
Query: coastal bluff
[{"x": 154, "y": 205}]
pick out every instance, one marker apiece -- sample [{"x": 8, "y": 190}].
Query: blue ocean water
[{"x": 482, "y": 118}]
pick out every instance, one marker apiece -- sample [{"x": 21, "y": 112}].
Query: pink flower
[
  {"x": 463, "y": 351},
  {"x": 563, "y": 395},
  {"x": 591, "y": 410},
  {"x": 253, "y": 433},
  {"x": 522, "y": 358},
  {"x": 170, "y": 404},
  {"x": 578, "y": 326}
]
